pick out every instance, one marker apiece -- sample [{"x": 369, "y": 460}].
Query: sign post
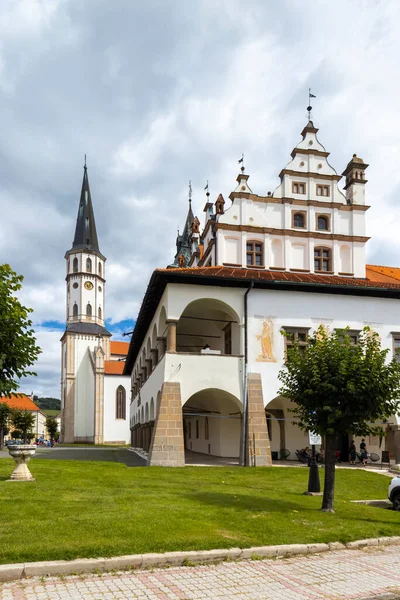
[{"x": 314, "y": 485}]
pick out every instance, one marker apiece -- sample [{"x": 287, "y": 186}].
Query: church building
[
  {"x": 94, "y": 391},
  {"x": 207, "y": 348}
]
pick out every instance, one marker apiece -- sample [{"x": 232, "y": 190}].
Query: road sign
[{"x": 314, "y": 439}]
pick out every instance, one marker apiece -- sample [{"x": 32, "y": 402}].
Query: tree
[
  {"x": 340, "y": 387},
  {"x": 18, "y": 349},
  {"x": 52, "y": 427},
  {"x": 5, "y": 412},
  {"x": 23, "y": 420}
]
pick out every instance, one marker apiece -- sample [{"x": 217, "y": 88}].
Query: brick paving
[{"x": 368, "y": 574}]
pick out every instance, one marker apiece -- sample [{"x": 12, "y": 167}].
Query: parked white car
[{"x": 394, "y": 492}]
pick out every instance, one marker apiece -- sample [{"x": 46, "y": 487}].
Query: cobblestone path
[{"x": 368, "y": 574}]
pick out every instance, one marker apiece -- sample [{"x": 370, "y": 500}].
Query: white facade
[{"x": 288, "y": 261}]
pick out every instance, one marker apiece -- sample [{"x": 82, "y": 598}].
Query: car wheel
[{"x": 396, "y": 502}]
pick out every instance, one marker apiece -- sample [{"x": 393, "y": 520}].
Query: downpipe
[{"x": 245, "y": 371}]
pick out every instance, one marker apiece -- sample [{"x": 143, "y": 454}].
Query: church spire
[{"x": 85, "y": 231}]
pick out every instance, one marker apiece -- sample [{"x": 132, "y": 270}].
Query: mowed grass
[{"x": 87, "y": 509}]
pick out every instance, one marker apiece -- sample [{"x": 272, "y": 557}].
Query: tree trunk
[
  {"x": 329, "y": 484},
  {"x": 1, "y": 438}
]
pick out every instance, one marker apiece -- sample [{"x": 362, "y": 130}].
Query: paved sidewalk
[{"x": 368, "y": 574}]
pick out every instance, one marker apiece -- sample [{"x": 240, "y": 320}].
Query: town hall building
[{"x": 207, "y": 347}]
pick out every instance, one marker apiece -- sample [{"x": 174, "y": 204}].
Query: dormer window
[
  {"x": 323, "y": 190},
  {"x": 322, "y": 223},
  {"x": 299, "y": 220},
  {"x": 298, "y": 188},
  {"x": 254, "y": 254}
]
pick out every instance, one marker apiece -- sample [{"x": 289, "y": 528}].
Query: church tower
[{"x": 85, "y": 343}]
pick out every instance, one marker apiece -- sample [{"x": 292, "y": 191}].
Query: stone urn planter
[{"x": 21, "y": 454}]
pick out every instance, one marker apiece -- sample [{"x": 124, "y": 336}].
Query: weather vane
[
  {"x": 241, "y": 160},
  {"x": 85, "y": 162},
  {"x": 309, "y": 107},
  {"x": 207, "y": 190},
  {"x": 190, "y": 191}
]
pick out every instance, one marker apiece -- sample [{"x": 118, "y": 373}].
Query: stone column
[
  {"x": 258, "y": 447},
  {"x": 393, "y": 442},
  {"x": 166, "y": 449},
  {"x": 69, "y": 399},
  {"x": 171, "y": 336}
]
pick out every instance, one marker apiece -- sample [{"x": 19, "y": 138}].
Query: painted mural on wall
[{"x": 266, "y": 338}]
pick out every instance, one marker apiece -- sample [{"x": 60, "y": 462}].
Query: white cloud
[{"x": 182, "y": 98}]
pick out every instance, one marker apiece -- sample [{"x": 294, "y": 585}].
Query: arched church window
[
  {"x": 75, "y": 310},
  {"x": 120, "y": 403},
  {"x": 298, "y": 220},
  {"x": 69, "y": 265},
  {"x": 88, "y": 265},
  {"x": 100, "y": 271},
  {"x": 75, "y": 265},
  {"x": 89, "y": 310},
  {"x": 99, "y": 313},
  {"x": 323, "y": 223}
]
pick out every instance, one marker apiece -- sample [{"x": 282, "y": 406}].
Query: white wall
[
  {"x": 84, "y": 387},
  {"x": 115, "y": 430}
]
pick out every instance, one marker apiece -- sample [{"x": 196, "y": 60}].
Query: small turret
[
  {"x": 219, "y": 205},
  {"x": 355, "y": 180}
]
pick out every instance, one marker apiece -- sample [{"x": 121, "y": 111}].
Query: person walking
[
  {"x": 352, "y": 453},
  {"x": 363, "y": 451}
]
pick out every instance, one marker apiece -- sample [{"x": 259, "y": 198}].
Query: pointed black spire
[{"x": 85, "y": 231}]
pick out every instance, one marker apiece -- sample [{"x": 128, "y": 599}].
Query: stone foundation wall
[
  {"x": 258, "y": 447},
  {"x": 167, "y": 447}
]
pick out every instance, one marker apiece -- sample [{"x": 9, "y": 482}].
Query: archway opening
[
  {"x": 212, "y": 420},
  {"x": 208, "y": 326}
]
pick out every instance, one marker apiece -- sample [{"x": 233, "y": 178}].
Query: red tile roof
[
  {"x": 120, "y": 348},
  {"x": 113, "y": 367},
  {"x": 23, "y": 402},
  {"x": 379, "y": 273},
  {"x": 287, "y": 276}
]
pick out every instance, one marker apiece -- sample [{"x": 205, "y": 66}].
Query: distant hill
[{"x": 48, "y": 403}]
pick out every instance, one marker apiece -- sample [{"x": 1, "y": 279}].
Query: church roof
[
  {"x": 375, "y": 284},
  {"x": 120, "y": 348},
  {"x": 85, "y": 231},
  {"x": 113, "y": 367},
  {"x": 87, "y": 328},
  {"x": 183, "y": 241}
]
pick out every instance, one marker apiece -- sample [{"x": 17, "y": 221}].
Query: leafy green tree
[
  {"x": 5, "y": 412},
  {"x": 340, "y": 387},
  {"x": 18, "y": 349},
  {"x": 52, "y": 427},
  {"x": 23, "y": 420}
]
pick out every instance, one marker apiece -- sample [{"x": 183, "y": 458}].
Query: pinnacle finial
[
  {"x": 309, "y": 107},
  {"x": 190, "y": 191},
  {"x": 207, "y": 190},
  {"x": 85, "y": 166},
  {"x": 241, "y": 161}
]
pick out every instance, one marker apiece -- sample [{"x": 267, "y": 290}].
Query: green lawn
[{"x": 86, "y": 509}]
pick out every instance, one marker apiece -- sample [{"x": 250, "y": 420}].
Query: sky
[{"x": 161, "y": 92}]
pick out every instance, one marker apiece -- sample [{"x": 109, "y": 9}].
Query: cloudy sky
[{"x": 160, "y": 92}]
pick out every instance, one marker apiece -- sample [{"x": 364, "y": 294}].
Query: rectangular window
[
  {"x": 298, "y": 188},
  {"x": 254, "y": 254},
  {"x": 228, "y": 339},
  {"x": 353, "y": 334},
  {"x": 323, "y": 190},
  {"x": 296, "y": 335},
  {"x": 322, "y": 260}
]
